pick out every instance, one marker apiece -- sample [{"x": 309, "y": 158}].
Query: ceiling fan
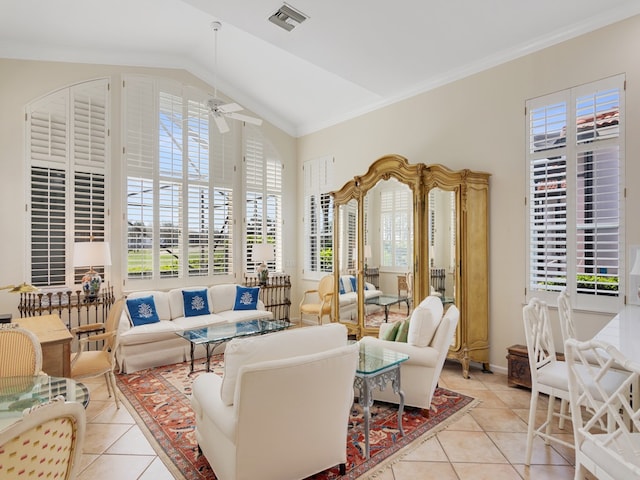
[{"x": 218, "y": 109}]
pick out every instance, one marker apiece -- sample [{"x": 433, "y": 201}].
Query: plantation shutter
[
  {"x": 67, "y": 148},
  {"x": 318, "y": 219},
  {"x": 395, "y": 227},
  {"x": 575, "y": 157},
  {"x": 598, "y": 191},
  {"x": 225, "y": 152},
  {"x": 263, "y": 191},
  {"x": 140, "y": 127}
]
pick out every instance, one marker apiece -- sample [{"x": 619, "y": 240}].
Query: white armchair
[
  {"x": 420, "y": 373},
  {"x": 281, "y": 411}
]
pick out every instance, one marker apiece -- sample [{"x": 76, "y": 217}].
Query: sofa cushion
[
  {"x": 196, "y": 302},
  {"x": 142, "y": 310},
  {"x": 274, "y": 346},
  {"x": 246, "y": 298},
  {"x": 149, "y": 333},
  {"x": 424, "y": 321},
  {"x": 223, "y": 297}
]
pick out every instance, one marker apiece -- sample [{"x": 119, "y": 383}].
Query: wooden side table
[{"x": 55, "y": 340}]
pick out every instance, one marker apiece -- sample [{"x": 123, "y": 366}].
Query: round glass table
[{"x": 19, "y": 393}]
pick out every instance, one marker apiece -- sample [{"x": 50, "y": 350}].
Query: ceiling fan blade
[
  {"x": 229, "y": 107},
  {"x": 244, "y": 118},
  {"x": 221, "y": 123}
]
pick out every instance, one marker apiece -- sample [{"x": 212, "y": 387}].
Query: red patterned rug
[{"x": 158, "y": 399}]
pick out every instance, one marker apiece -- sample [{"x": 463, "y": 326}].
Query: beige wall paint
[
  {"x": 21, "y": 82},
  {"x": 478, "y": 123}
]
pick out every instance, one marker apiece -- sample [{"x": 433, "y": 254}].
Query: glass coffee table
[
  {"x": 219, "y": 333},
  {"x": 386, "y": 301},
  {"x": 19, "y": 393},
  {"x": 376, "y": 367}
]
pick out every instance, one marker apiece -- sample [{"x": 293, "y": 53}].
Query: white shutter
[
  {"x": 224, "y": 148},
  {"x": 140, "y": 140},
  {"x": 67, "y": 147},
  {"x": 575, "y": 156},
  {"x": 263, "y": 192},
  {"x": 318, "y": 218}
]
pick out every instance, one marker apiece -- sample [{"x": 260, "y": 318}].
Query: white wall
[
  {"x": 478, "y": 123},
  {"x": 24, "y": 81}
]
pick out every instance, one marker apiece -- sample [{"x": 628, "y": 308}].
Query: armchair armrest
[{"x": 88, "y": 328}]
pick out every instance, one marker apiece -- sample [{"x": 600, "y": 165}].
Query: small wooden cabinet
[{"x": 55, "y": 340}]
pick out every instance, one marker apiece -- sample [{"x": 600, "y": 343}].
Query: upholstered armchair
[
  {"x": 428, "y": 339},
  {"x": 45, "y": 443},
  {"x": 321, "y": 306},
  {"x": 20, "y": 351},
  {"x": 281, "y": 411}
]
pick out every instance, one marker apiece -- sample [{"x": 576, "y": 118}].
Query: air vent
[{"x": 288, "y": 17}]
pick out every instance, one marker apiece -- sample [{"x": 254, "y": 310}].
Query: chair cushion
[
  {"x": 195, "y": 302},
  {"x": 274, "y": 346},
  {"x": 424, "y": 321},
  {"x": 142, "y": 310},
  {"x": 246, "y": 298}
]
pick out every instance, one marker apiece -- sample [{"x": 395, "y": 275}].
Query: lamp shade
[
  {"x": 367, "y": 251},
  {"x": 90, "y": 254},
  {"x": 262, "y": 252}
]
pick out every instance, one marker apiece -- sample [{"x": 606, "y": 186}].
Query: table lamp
[
  {"x": 263, "y": 252},
  {"x": 367, "y": 255},
  {"x": 91, "y": 254}
]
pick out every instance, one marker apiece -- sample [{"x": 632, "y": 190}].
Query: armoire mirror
[
  {"x": 445, "y": 246},
  {"x": 383, "y": 205}
]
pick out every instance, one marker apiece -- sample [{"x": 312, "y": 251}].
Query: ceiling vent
[{"x": 288, "y": 17}]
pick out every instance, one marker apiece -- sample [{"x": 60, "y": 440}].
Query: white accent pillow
[{"x": 424, "y": 321}]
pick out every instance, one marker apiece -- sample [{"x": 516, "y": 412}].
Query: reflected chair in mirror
[
  {"x": 20, "y": 351},
  {"x": 58, "y": 425},
  {"x": 606, "y": 425},
  {"x": 428, "y": 340},
  {"x": 317, "y": 302},
  {"x": 87, "y": 363},
  {"x": 548, "y": 374}
]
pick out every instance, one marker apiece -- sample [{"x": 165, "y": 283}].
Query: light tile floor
[{"x": 487, "y": 443}]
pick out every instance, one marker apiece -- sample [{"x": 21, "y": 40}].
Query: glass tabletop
[
  {"x": 383, "y": 300},
  {"x": 18, "y": 393},
  {"x": 226, "y": 331},
  {"x": 374, "y": 358}
]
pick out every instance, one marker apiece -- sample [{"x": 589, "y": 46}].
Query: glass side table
[{"x": 376, "y": 367}]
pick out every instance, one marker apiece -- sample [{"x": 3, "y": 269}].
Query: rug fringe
[{"x": 400, "y": 455}]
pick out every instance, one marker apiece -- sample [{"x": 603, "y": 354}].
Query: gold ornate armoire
[{"x": 448, "y": 234}]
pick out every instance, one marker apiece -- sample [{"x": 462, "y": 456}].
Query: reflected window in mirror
[
  {"x": 318, "y": 217},
  {"x": 396, "y": 226}
]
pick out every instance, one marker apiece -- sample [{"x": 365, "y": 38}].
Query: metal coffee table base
[{"x": 366, "y": 384}]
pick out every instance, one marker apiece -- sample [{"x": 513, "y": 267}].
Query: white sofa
[
  {"x": 420, "y": 373},
  {"x": 281, "y": 411},
  {"x": 348, "y": 298},
  {"x": 156, "y": 344}
]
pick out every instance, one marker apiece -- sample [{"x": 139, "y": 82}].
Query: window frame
[{"x": 567, "y": 179}]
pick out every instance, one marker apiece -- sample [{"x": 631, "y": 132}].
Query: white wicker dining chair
[
  {"x": 605, "y": 423},
  {"x": 548, "y": 374}
]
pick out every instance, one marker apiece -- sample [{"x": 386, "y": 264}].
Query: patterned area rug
[
  {"x": 375, "y": 319},
  {"x": 158, "y": 399}
]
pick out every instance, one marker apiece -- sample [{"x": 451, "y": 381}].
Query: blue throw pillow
[
  {"x": 246, "y": 298},
  {"x": 354, "y": 287},
  {"x": 341, "y": 287},
  {"x": 142, "y": 310},
  {"x": 195, "y": 303}
]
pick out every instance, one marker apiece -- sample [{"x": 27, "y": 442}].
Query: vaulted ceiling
[{"x": 347, "y": 58}]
